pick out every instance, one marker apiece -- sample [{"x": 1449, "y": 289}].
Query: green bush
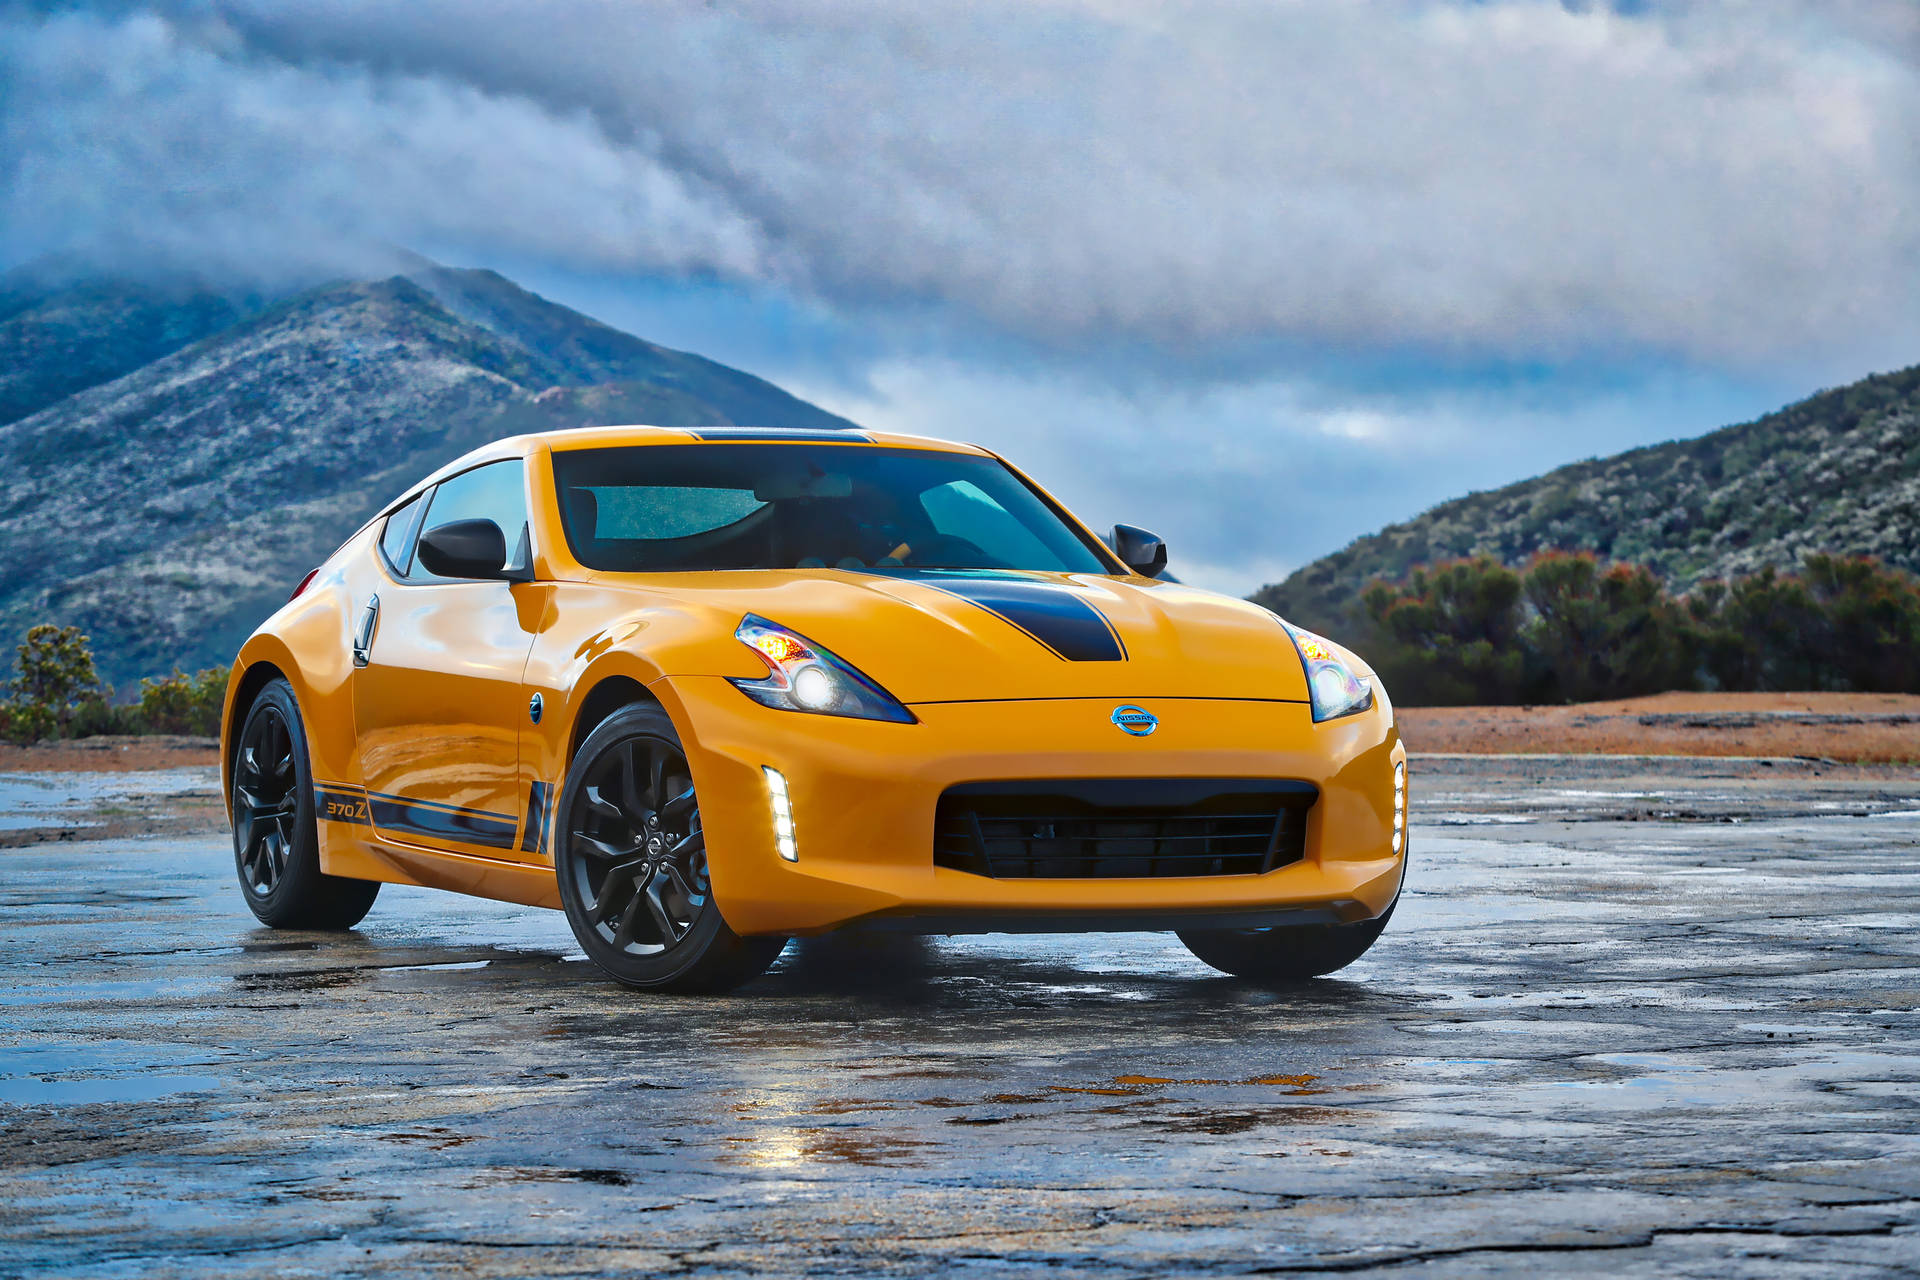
[
  {"x": 1567, "y": 628},
  {"x": 57, "y": 693},
  {"x": 1450, "y": 632},
  {"x": 54, "y": 684},
  {"x": 1603, "y": 633},
  {"x": 181, "y": 703}
]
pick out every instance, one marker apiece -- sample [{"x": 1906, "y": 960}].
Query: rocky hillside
[
  {"x": 1837, "y": 472},
  {"x": 176, "y": 461}
]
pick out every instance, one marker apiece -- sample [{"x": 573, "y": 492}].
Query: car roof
[
  {"x": 611, "y": 437},
  {"x": 617, "y": 437}
]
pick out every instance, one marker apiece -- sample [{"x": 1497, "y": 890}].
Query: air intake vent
[{"x": 1122, "y": 828}]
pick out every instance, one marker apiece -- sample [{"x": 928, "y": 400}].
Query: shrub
[
  {"x": 180, "y": 703},
  {"x": 1567, "y": 628},
  {"x": 54, "y": 682},
  {"x": 1604, "y": 633},
  {"x": 1450, "y": 633}
]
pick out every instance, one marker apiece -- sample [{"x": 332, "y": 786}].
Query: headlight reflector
[
  {"x": 1332, "y": 686},
  {"x": 802, "y": 676}
]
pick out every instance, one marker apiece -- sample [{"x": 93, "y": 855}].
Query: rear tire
[
  {"x": 1285, "y": 953},
  {"x": 276, "y": 847},
  {"x": 631, "y": 858}
]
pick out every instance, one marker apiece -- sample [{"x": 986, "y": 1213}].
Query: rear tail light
[{"x": 304, "y": 584}]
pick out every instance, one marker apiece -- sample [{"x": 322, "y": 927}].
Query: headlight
[
  {"x": 1331, "y": 684},
  {"x": 802, "y": 676}
]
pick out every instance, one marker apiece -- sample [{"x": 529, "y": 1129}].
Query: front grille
[{"x": 1122, "y": 828}]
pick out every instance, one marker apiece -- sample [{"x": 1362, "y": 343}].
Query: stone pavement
[{"x": 1609, "y": 1032}]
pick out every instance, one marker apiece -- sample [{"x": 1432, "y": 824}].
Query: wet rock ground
[{"x": 1632, "y": 1017}]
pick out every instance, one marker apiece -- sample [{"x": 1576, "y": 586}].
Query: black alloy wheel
[
  {"x": 632, "y": 864},
  {"x": 266, "y": 801},
  {"x": 641, "y": 864},
  {"x": 276, "y": 846}
]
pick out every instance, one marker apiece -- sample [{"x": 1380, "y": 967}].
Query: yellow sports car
[{"x": 708, "y": 689}]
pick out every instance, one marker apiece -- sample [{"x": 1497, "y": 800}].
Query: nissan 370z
[{"x": 706, "y": 690}]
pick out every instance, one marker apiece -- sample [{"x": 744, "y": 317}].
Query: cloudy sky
[{"x": 1261, "y": 276}]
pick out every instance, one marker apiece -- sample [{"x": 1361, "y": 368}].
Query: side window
[
  {"x": 496, "y": 492},
  {"x": 396, "y": 540}
]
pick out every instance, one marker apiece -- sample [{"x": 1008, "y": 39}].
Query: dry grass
[
  {"x": 109, "y": 754},
  {"x": 1866, "y": 728},
  {"x": 1851, "y": 727}
]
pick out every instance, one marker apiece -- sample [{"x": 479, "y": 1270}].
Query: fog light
[
  {"x": 782, "y": 815},
  {"x": 1399, "y": 806}
]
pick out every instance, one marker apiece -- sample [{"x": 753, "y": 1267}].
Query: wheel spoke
[
  {"x": 670, "y": 931},
  {"x": 595, "y": 847},
  {"x": 598, "y": 802},
  {"x": 609, "y": 893},
  {"x": 635, "y": 803},
  {"x": 657, "y": 777},
  {"x": 688, "y": 897},
  {"x": 624, "y": 934},
  {"x": 677, "y": 805},
  {"x": 688, "y": 845}
]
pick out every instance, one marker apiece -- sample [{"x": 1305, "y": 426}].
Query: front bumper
[{"x": 863, "y": 797}]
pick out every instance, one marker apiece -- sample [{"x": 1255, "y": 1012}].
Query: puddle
[
  {"x": 95, "y": 1071},
  {"x": 435, "y": 968},
  {"x": 30, "y": 800},
  {"x": 34, "y": 1092}
]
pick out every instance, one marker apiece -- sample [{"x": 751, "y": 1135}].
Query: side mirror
[
  {"x": 468, "y": 549},
  {"x": 1139, "y": 550}
]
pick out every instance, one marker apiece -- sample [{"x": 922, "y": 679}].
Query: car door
[{"x": 438, "y": 698}]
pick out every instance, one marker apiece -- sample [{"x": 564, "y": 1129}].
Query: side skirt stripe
[
  {"x": 336, "y": 802},
  {"x": 534, "y": 838}
]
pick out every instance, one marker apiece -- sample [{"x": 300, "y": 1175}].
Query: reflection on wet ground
[{"x": 1591, "y": 1041}]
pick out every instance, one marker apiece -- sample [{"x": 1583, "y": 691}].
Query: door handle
[{"x": 363, "y": 635}]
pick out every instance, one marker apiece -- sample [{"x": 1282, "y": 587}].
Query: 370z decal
[
  {"x": 340, "y": 804},
  {"x": 1058, "y": 617},
  {"x": 336, "y": 802}
]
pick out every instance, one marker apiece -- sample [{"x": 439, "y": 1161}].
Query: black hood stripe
[
  {"x": 1057, "y": 617},
  {"x": 833, "y": 436}
]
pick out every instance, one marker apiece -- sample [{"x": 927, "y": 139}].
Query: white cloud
[
  {"x": 140, "y": 137},
  {"x": 1246, "y": 481},
  {"x": 1728, "y": 182}
]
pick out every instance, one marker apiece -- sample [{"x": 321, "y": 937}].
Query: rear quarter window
[{"x": 396, "y": 540}]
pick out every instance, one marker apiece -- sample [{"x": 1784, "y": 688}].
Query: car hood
[{"x": 982, "y": 635}]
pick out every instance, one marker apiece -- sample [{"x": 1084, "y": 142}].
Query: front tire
[
  {"x": 276, "y": 847},
  {"x": 632, "y": 864},
  {"x": 1285, "y": 953}
]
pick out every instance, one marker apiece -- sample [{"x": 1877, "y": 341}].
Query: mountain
[
  {"x": 166, "y": 504},
  {"x": 1837, "y": 472},
  {"x": 58, "y": 338}
]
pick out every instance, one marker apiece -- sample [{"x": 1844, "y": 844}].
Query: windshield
[{"x": 656, "y": 508}]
